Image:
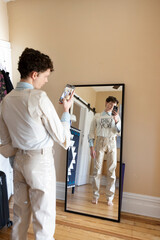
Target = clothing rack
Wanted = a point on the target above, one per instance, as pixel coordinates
(6, 65)
(5, 57)
(5, 83)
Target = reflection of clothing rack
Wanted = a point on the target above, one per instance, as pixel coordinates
(87, 105)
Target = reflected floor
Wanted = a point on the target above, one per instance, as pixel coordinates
(80, 201)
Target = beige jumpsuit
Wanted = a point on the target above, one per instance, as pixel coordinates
(103, 126)
(31, 124)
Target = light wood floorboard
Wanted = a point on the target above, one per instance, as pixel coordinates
(81, 201)
(77, 227)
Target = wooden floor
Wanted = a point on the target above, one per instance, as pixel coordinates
(76, 227)
(81, 201)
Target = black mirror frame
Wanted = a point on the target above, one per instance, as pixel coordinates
(120, 170)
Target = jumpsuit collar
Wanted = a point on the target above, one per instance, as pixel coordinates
(104, 113)
(24, 85)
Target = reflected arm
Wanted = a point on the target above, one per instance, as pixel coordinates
(91, 136)
(118, 126)
(117, 120)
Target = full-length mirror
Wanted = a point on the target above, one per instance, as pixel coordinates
(94, 159)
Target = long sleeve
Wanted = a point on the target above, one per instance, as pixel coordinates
(6, 148)
(118, 126)
(59, 131)
(91, 136)
(4, 134)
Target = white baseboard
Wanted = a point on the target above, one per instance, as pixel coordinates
(60, 190)
(141, 204)
(131, 202)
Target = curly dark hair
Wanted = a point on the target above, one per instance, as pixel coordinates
(33, 60)
(112, 99)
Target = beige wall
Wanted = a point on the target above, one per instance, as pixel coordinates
(4, 28)
(102, 41)
(87, 94)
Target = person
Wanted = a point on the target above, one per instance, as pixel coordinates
(31, 125)
(105, 126)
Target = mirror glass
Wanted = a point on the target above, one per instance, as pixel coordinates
(93, 173)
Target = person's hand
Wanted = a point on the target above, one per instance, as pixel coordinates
(92, 152)
(116, 116)
(68, 103)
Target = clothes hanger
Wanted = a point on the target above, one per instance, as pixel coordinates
(3, 66)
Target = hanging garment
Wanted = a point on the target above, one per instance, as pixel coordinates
(7, 80)
(3, 90)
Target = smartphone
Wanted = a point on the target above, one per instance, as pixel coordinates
(67, 93)
(115, 109)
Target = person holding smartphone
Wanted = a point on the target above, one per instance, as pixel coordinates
(31, 125)
(105, 126)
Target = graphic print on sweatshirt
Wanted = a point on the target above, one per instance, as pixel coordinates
(106, 122)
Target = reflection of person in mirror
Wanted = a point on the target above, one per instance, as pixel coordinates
(30, 122)
(105, 126)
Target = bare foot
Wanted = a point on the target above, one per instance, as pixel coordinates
(94, 201)
(110, 203)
